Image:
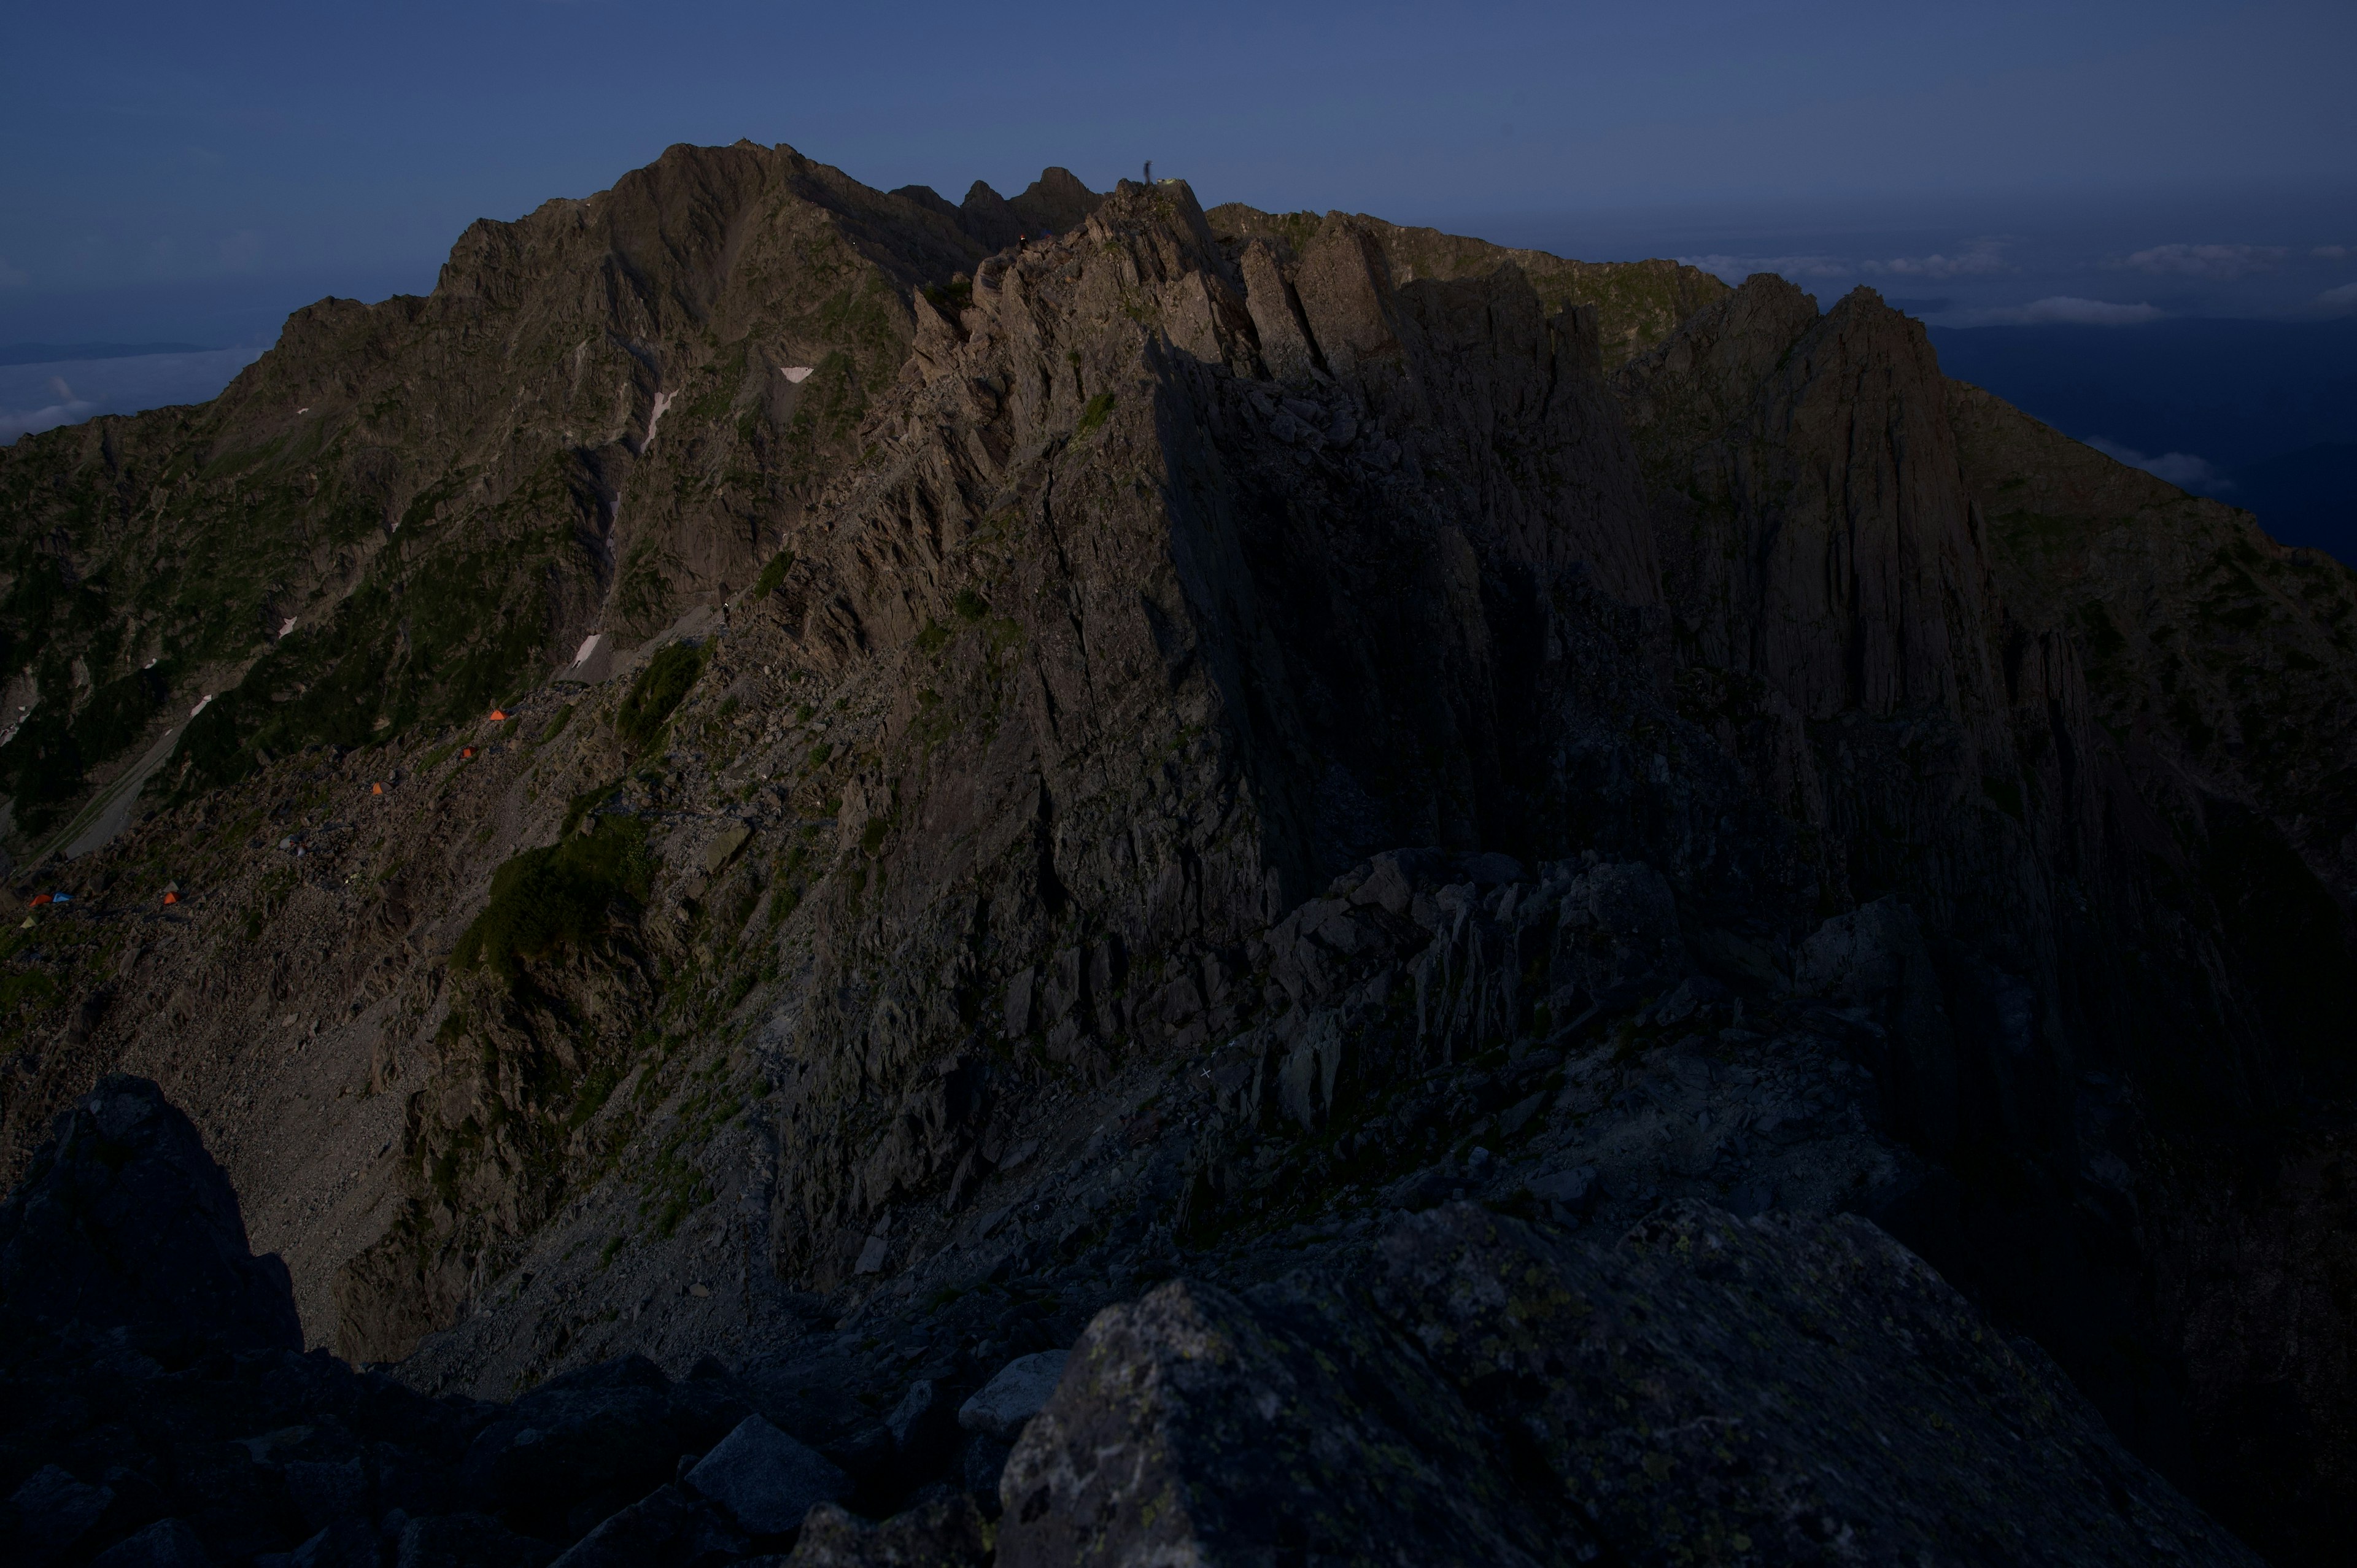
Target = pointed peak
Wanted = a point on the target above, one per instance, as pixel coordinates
(1057, 200)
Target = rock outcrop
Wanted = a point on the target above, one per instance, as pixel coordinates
(121, 1220)
(1460, 1387)
(1706, 1389)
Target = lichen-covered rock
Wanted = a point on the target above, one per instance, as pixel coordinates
(945, 1531)
(1196, 1426)
(1706, 1389)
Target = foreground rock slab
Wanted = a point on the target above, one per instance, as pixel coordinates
(1482, 1390)
(1458, 1386)
(766, 1480)
(122, 1210)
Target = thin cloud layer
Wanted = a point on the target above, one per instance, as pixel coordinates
(2339, 301)
(2184, 469)
(35, 398)
(2219, 263)
(2069, 310)
(64, 409)
(1981, 258)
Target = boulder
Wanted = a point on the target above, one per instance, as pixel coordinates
(922, 1423)
(1014, 1396)
(347, 1543)
(1201, 1426)
(666, 1529)
(50, 1512)
(946, 1532)
(167, 1543)
(1492, 870)
(467, 1541)
(592, 1440)
(765, 1480)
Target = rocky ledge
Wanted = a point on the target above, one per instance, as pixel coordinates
(1459, 1386)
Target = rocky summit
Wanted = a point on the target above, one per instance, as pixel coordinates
(1059, 879)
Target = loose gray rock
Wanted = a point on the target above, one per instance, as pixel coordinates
(51, 1511)
(1013, 1397)
(766, 1480)
(666, 1529)
(1575, 1191)
(1492, 870)
(922, 1424)
(167, 1543)
(468, 1541)
(347, 1543)
(945, 1532)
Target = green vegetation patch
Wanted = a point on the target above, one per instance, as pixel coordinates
(31, 988)
(547, 898)
(774, 574)
(1094, 415)
(951, 297)
(659, 688)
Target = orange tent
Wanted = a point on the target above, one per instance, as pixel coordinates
(497, 717)
(171, 897)
(466, 751)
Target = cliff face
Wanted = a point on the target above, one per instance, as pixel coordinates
(991, 872)
(2045, 698)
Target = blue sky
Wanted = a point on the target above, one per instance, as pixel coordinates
(192, 170)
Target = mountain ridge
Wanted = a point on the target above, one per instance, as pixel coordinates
(1083, 636)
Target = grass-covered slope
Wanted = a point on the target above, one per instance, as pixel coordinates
(407, 512)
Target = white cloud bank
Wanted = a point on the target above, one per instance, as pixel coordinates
(1980, 259)
(63, 408)
(2219, 263)
(34, 398)
(2337, 300)
(2067, 310)
(2184, 469)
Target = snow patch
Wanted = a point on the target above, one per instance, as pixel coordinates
(286, 626)
(588, 646)
(200, 704)
(654, 417)
(797, 374)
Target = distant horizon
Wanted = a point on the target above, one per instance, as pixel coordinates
(1977, 260)
(278, 151)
